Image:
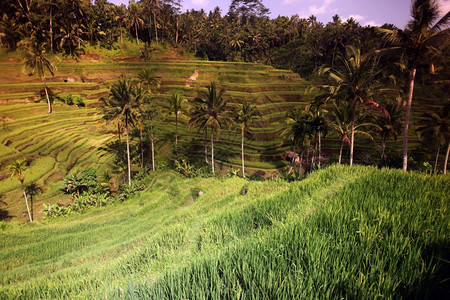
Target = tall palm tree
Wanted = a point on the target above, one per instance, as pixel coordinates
(210, 111)
(147, 77)
(438, 125)
(419, 42)
(245, 117)
(340, 121)
(123, 104)
(318, 125)
(175, 106)
(298, 131)
(355, 83)
(35, 61)
(16, 168)
(135, 19)
(389, 125)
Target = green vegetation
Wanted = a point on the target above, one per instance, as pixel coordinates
(341, 232)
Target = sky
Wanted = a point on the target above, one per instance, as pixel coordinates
(365, 12)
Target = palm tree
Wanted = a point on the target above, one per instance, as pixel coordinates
(147, 77)
(135, 19)
(318, 125)
(35, 62)
(32, 190)
(123, 104)
(438, 125)
(16, 168)
(340, 120)
(419, 42)
(355, 83)
(150, 115)
(210, 111)
(389, 125)
(299, 131)
(175, 107)
(245, 117)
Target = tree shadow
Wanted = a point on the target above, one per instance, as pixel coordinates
(32, 190)
(4, 214)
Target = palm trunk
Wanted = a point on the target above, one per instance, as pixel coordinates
(153, 151)
(300, 168)
(206, 146)
(412, 76)
(51, 26)
(242, 155)
(142, 148)
(121, 39)
(128, 151)
(352, 140)
(48, 98)
(340, 152)
(292, 161)
(176, 33)
(156, 28)
(313, 161)
(446, 158)
(383, 148)
(176, 129)
(212, 150)
(320, 148)
(26, 201)
(437, 158)
(136, 30)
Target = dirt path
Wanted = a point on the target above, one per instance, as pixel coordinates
(192, 78)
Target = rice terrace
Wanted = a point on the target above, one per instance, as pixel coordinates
(157, 149)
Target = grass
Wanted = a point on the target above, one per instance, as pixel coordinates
(343, 232)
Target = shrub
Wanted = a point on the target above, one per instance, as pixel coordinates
(80, 102)
(69, 99)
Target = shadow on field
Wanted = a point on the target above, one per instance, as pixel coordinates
(4, 216)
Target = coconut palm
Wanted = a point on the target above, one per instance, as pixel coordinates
(16, 168)
(299, 132)
(340, 121)
(35, 61)
(175, 106)
(355, 83)
(419, 42)
(147, 77)
(245, 117)
(210, 111)
(319, 128)
(123, 104)
(150, 116)
(438, 125)
(135, 19)
(390, 125)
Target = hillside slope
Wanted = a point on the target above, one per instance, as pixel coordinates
(71, 138)
(342, 232)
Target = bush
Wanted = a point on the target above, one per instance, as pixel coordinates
(69, 99)
(84, 181)
(80, 102)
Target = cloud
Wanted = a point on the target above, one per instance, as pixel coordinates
(318, 10)
(372, 23)
(358, 18)
(199, 2)
(290, 1)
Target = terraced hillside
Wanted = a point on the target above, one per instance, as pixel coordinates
(71, 139)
